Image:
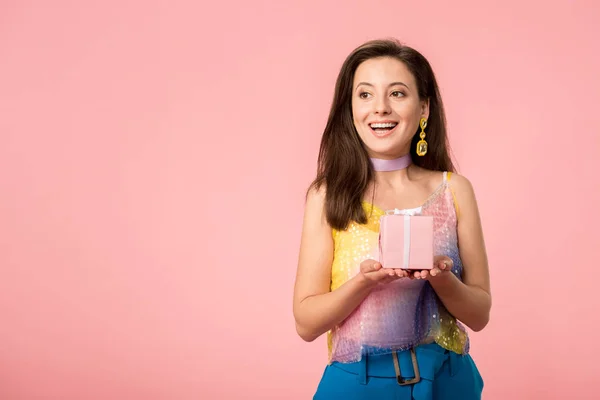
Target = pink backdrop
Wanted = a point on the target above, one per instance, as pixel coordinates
(153, 162)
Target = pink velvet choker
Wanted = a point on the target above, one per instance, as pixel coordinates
(380, 164)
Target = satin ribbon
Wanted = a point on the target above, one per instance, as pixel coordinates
(406, 240)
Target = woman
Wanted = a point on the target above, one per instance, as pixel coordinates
(392, 333)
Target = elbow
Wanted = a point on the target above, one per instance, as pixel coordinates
(305, 334)
(482, 318)
(480, 323)
(304, 328)
(308, 338)
(479, 326)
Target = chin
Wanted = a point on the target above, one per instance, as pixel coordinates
(386, 150)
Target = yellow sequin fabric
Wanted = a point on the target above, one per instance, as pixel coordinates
(404, 313)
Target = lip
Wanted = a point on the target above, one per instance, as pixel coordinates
(385, 121)
(381, 135)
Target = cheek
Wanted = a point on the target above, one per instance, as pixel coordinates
(409, 115)
(359, 111)
(405, 109)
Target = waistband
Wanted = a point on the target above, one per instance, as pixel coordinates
(416, 367)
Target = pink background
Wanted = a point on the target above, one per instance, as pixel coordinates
(153, 162)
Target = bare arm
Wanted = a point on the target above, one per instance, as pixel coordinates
(316, 308)
(469, 301)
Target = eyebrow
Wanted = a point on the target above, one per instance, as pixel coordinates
(391, 84)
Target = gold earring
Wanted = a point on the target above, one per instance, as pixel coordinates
(422, 144)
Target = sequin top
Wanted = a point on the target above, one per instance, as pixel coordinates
(404, 313)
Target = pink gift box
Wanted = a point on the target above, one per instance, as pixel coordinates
(406, 241)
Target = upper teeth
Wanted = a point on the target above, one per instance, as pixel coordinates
(384, 125)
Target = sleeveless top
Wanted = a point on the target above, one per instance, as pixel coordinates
(404, 313)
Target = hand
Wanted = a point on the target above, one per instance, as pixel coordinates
(441, 265)
(373, 273)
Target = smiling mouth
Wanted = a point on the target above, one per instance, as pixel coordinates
(383, 128)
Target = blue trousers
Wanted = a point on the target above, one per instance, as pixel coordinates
(428, 372)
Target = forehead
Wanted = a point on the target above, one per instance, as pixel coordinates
(380, 71)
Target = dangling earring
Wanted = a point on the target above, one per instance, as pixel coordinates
(422, 144)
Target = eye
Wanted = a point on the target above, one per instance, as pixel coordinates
(363, 95)
(397, 93)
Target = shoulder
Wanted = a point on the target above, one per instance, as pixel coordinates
(315, 196)
(317, 239)
(314, 207)
(464, 194)
(460, 184)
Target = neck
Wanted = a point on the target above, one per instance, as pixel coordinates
(395, 164)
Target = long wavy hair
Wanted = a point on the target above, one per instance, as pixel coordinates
(343, 162)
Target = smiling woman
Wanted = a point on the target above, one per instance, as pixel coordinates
(392, 333)
(397, 105)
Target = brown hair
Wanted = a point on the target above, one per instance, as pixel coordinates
(343, 163)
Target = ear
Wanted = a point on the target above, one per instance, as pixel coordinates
(425, 109)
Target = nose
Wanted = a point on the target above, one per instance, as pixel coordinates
(382, 105)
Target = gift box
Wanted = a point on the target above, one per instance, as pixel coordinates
(406, 241)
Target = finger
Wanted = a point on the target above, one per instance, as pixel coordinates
(400, 273)
(448, 263)
(438, 260)
(384, 273)
(389, 278)
(435, 272)
(379, 276)
(424, 274)
(368, 268)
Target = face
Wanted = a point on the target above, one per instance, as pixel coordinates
(386, 107)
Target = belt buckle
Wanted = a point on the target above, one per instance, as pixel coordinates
(402, 381)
